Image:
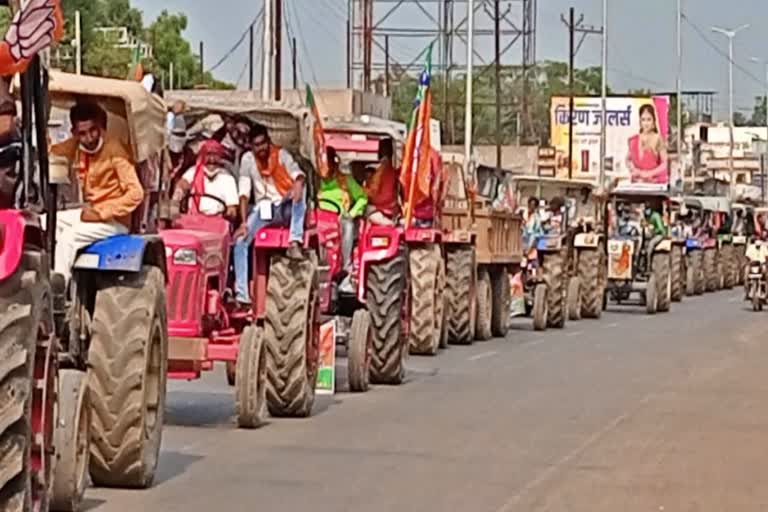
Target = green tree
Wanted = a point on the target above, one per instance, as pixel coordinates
(758, 112)
(104, 59)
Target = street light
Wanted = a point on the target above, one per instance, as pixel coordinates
(765, 157)
(730, 34)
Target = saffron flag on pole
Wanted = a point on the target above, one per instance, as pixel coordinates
(415, 175)
(318, 136)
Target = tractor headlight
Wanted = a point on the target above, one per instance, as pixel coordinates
(185, 257)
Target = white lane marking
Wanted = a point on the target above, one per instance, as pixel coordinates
(611, 325)
(575, 333)
(482, 356)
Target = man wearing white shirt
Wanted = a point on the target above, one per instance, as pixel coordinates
(214, 189)
(276, 181)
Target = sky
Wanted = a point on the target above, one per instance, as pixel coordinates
(641, 37)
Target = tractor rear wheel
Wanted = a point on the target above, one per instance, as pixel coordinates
(359, 352)
(460, 294)
(426, 300)
(663, 284)
(484, 306)
(387, 301)
(729, 267)
(72, 442)
(540, 305)
(556, 293)
(677, 275)
(26, 397)
(500, 303)
(591, 288)
(710, 270)
(251, 384)
(127, 376)
(292, 336)
(700, 279)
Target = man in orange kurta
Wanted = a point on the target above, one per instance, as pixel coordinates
(110, 185)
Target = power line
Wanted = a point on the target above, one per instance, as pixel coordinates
(238, 43)
(303, 41)
(721, 52)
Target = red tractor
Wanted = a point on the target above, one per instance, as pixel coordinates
(402, 273)
(272, 350)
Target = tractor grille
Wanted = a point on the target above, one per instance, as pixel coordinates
(183, 296)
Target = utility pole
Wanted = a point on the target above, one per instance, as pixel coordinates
(250, 57)
(603, 96)
(468, 108)
(172, 84)
(497, 53)
(78, 45)
(386, 65)
(278, 24)
(294, 64)
(679, 93)
(202, 60)
(730, 34)
(266, 61)
(575, 27)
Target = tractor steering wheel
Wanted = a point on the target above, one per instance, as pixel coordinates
(336, 207)
(193, 194)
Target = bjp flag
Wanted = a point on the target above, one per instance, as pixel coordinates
(318, 136)
(416, 175)
(33, 29)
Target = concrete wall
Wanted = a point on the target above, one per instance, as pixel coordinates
(519, 159)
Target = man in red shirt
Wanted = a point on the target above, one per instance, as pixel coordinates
(381, 187)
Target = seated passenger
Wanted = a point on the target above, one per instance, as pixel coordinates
(111, 187)
(350, 200)
(209, 177)
(381, 187)
(276, 181)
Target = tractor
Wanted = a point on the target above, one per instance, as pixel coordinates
(401, 267)
(638, 260)
(677, 255)
(482, 239)
(741, 237)
(719, 266)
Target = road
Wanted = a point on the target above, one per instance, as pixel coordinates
(629, 413)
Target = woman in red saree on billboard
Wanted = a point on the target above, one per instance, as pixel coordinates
(647, 159)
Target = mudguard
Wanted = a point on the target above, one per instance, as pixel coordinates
(692, 244)
(586, 240)
(549, 243)
(122, 253)
(12, 225)
(664, 246)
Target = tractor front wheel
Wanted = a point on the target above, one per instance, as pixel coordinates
(251, 383)
(72, 442)
(540, 307)
(484, 306)
(359, 352)
(460, 294)
(292, 336)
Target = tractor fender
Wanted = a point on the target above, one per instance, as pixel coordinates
(586, 241)
(123, 253)
(664, 246)
(17, 230)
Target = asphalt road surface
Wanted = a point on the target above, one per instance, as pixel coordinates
(628, 413)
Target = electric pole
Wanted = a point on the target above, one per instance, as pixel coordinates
(575, 27)
(469, 78)
(250, 57)
(278, 20)
(497, 53)
(266, 61)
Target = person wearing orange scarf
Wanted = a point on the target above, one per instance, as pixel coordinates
(271, 175)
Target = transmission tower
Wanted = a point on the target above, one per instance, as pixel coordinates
(389, 38)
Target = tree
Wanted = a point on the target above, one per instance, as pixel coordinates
(103, 58)
(739, 119)
(758, 112)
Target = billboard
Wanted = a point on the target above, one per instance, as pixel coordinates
(636, 139)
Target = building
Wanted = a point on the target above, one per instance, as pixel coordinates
(711, 152)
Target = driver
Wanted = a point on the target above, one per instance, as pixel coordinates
(658, 229)
(209, 178)
(111, 189)
(349, 199)
(276, 181)
(381, 187)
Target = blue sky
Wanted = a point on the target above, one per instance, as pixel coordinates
(641, 36)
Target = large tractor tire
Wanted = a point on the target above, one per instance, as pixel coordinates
(483, 323)
(72, 442)
(292, 336)
(251, 382)
(651, 295)
(359, 352)
(574, 298)
(500, 303)
(387, 301)
(540, 305)
(427, 301)
(661, 271)
(711, 276)
(591, 287)
(127, 376)
(677, 275)
(696, 271)
(554, 273)
(26, 397)
(460, 294)
(729, 267)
